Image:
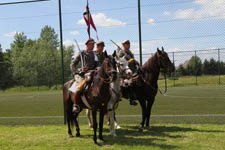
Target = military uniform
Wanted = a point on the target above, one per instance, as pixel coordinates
(133, 65)
(89, 61)
(81, 76)
(99, 55)
(127, 54)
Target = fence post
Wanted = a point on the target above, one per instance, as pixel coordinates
(20, 77)
(37, 75)
(196, 78)
(174, 74)
(219, 64)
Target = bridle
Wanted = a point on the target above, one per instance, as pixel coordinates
(161, 62)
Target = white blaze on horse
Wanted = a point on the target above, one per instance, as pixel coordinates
(123, 73)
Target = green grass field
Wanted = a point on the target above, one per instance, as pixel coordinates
(185, 118)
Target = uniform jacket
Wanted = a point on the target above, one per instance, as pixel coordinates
(88, 61)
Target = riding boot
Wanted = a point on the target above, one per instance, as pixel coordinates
(76, 101)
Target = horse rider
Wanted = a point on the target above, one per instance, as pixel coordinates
(89, 63)
(133, 65)
(99, 52)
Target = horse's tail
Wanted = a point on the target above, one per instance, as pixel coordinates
(68, 103)
(70, 113)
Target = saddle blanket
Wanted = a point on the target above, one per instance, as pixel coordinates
(76, 84)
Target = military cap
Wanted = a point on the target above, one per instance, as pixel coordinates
(90, 41)
(100, 43)
(126, 42)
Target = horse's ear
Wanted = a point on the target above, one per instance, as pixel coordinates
(162, 49)
(114, 54)
(158, 50)
(105, 54)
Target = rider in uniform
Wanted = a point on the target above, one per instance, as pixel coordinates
(89, 63)
(99, 52)
(133, 65)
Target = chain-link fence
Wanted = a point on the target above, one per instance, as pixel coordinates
(34, 76)
(199, 67)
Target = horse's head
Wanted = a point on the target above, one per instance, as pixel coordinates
(164, 61)
(109, 66)
(122, 67)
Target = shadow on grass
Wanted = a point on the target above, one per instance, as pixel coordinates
(130, 136)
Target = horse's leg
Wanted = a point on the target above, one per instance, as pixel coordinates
(77, 124)
(115, 121)
(69, 120)
(111, 118)
(149, 108)
(94, 125)
(101, 121)
(88, 112)
(143, 107)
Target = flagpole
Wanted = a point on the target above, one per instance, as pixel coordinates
(139, 25)
(62, 57)
(88, 20)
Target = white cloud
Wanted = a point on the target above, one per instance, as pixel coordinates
(208, 8)
(151, 21)
(74, 33)
(100, 19)
(166, 13)
(68, 43)
(72, 43)
(10, 34)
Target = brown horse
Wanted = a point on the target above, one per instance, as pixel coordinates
(146, 85)
(97, 97)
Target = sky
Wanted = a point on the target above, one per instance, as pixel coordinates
(177, 25)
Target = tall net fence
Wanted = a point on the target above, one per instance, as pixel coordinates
(199, 67)
(191, 31)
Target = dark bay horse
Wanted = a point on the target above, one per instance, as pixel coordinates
(97, 96)
(146, 85)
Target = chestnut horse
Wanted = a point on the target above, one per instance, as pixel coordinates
(97, 97)
(146, 85)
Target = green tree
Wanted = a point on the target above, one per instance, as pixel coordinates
(16, 49)
(205, 67)
(195, 66)
(5, 70)
(49, 35)
(213, 67)
(182, 70)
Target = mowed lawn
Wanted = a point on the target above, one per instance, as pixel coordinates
(161, 137)
(185, 118)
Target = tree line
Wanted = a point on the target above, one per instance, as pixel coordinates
(195, 66)
(34, 62)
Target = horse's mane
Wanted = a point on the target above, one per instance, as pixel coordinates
(151, 64)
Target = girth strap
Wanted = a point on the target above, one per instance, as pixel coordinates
(84, 100)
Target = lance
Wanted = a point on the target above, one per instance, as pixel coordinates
(81, 57)
(119, 48)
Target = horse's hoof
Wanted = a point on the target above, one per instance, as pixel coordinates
(70, 136)
(95, 141)
(78, 135)
(141, 128)
(148, 127)
(91, 129)
(101, 138)
(118, 127)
